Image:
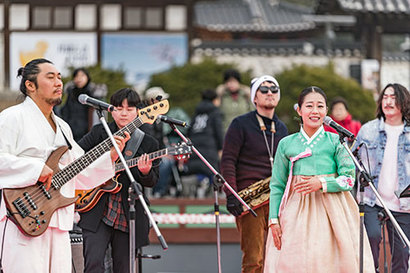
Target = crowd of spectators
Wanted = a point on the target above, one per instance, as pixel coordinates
(184, 177)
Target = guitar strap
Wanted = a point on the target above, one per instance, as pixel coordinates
(133, 144)
(66, 139)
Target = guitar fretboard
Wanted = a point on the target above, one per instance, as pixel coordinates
(134, 161)
(75, 167)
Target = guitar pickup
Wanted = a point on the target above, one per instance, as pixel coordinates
(21, 208)
(45, 192)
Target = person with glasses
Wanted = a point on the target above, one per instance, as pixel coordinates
(247, 157)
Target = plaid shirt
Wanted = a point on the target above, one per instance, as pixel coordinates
(114, 215)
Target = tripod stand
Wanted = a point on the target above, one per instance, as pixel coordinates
(366, 181)
(134, 194)
(218, 182)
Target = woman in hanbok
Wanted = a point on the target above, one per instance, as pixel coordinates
(313, 218)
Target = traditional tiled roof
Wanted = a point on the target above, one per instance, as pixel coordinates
(376, 6)
(373, 6)
(272, 47)
(396, 56)
(251, 15)
(290, 48)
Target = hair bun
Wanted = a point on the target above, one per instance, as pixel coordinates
(20, 71)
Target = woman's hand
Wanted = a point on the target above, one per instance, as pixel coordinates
(308, 184)
(121, 144)
(277, 235)
(144, 164)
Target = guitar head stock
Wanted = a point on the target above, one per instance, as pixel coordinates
(180, 151)
(150, 113)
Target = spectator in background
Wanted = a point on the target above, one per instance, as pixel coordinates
(80, 117)
(339, 113)
(206, 134)
(235, 97)
(151, 96)
(166, 137)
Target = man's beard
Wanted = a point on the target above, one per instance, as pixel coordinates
(269, 106)
(54, 102)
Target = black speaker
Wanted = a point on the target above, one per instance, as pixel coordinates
(77, 254)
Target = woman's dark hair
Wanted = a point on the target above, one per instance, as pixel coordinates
(337, 100)
(29, 73)
(402, 101)
(309, 90)
(82, 69)
(209, 94)
(125, 93)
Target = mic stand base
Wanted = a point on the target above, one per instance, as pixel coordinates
(365, 181)
(220, 181)
(135, 188)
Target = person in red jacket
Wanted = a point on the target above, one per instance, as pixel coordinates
(340, 114)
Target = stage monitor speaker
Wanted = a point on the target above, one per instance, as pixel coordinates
(77, 253)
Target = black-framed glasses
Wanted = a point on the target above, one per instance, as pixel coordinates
(264, 89)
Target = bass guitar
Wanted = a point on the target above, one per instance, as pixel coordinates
(32, 207)
(87, 199)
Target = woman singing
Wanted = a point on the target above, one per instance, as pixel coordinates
(313, 218)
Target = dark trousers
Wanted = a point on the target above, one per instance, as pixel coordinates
(95, 245)
(400, 254)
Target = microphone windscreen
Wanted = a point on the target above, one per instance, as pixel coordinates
(327, 120)
(83, 98)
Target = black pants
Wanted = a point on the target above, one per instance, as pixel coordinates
(95, 245)
(400, 254)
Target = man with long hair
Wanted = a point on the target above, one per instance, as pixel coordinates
(387, 139)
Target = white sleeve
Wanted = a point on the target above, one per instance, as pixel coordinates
(16, 171)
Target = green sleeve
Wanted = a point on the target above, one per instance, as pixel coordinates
(345, 172)
(278, 180)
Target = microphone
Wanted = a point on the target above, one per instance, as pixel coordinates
(340, 130)
(85, 99)
(356, 151)
(172, 121)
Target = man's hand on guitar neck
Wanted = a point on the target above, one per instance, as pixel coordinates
(45, 176)
(144, 164)
(121, 144)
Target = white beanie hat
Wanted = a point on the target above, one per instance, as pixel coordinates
(256, 83)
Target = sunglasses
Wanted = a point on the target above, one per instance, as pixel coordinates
(265, 89)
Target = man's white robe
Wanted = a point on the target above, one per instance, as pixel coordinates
(26, 142)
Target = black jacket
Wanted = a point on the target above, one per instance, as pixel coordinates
(77, 115)
(206, 134)
(92, 218)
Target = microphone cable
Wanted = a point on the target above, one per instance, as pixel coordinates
(2, 244)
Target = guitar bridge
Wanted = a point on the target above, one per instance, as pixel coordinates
(21, 208)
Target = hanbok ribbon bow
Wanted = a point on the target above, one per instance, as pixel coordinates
(284, 200)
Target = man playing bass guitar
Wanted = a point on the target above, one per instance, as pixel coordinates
(29, 135)
(107, 222)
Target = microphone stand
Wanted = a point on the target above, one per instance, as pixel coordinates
(218, 182)
(134, 193)
(366, 180)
